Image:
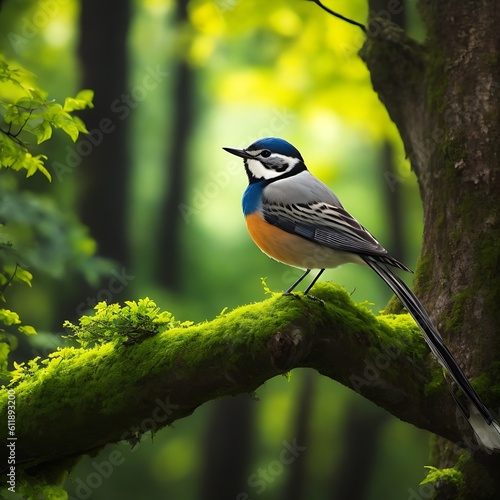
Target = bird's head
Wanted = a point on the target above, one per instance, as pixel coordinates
(270, 159)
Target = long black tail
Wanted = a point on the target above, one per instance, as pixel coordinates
(488, 434)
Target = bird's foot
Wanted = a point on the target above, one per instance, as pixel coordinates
(312, 297)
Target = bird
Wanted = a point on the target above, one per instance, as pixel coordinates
(297, 220)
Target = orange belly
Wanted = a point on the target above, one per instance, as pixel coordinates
(292, 249)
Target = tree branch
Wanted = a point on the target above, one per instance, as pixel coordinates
(339, 16)
(84, 399)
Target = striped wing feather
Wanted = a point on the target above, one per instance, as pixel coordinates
(328, 225)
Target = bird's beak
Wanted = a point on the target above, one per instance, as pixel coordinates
(238, 152)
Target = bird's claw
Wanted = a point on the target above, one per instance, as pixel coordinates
(297, 296)
(312, 297)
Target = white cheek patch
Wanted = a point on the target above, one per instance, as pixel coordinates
(259, 171)
(279, 165)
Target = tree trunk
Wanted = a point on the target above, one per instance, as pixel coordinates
(296, 482)
(444, 96)
(227, 449)
(104, 168)
(169, 265)
(360, 450)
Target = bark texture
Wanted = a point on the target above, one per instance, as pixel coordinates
(444, 96)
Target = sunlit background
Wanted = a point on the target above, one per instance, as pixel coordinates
(174, 82)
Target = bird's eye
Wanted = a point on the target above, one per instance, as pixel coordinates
(266, 153)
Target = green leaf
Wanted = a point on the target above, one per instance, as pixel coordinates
(27, 330)
(42, 132)
(9, 317)
(55, 493)
(24, 276)
(80, 125)
(127, 325)
(82, 100)
(45, 172)
(34, 164)
(25, 108)
(71, 129)
(4, 355)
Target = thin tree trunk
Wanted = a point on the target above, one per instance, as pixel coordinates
(170, 236)
(361, 434)
(104, 167)
(227, 449)
(296, 480)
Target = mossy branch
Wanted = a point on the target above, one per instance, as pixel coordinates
(83, 399)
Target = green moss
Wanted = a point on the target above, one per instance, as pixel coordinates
(456, 318)
(101, 381)
(491, 59)
(436, 82)
(423, 274)
(450, 475)
(409, 339)
(479, 482)
(487, 385)
(105, 367)
(437, 384)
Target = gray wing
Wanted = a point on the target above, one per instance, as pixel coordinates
(328, 225)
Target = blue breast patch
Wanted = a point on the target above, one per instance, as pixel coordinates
(252, 198)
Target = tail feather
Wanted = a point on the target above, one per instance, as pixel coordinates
(480, 418)
(487, 433)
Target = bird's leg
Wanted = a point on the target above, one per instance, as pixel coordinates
(313, 281)
(290, 290)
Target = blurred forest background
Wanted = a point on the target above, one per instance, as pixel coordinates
(174, 82)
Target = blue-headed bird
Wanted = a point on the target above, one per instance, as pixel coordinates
(297, 220)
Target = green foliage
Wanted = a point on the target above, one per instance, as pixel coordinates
(129, 324)
(45, 491)
(25, 369)
(10, 318)
(25, 110)
(44, 238)
(34, 234)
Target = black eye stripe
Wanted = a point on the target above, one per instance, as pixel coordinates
(281, 168)
(276, 168)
